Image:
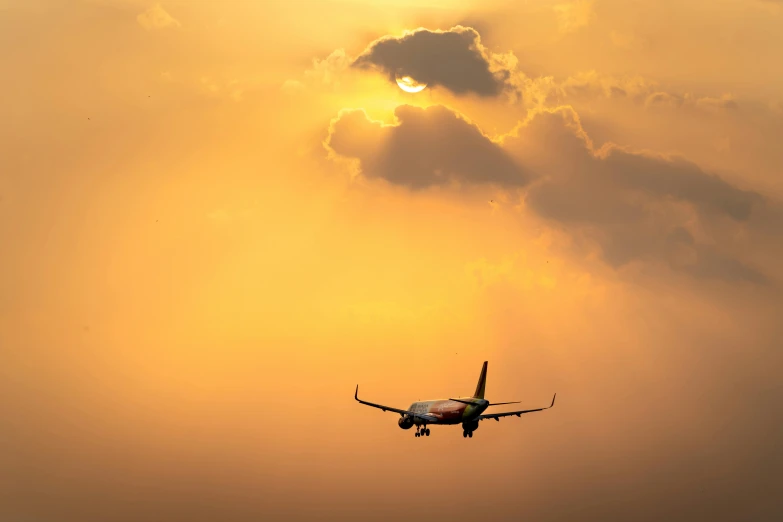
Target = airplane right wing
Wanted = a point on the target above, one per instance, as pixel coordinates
(423, 416)
(497, 416)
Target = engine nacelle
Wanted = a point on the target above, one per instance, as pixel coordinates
(470, 426)
(405, 423)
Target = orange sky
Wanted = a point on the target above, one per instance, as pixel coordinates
(217, 218)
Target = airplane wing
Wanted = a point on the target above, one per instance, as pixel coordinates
(423, 416)
(497, 416)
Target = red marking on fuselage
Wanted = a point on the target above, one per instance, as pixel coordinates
(446, 411)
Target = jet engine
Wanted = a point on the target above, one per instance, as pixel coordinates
(405, 423)
(470, 426)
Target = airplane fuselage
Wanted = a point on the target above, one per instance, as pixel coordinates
(447, 411)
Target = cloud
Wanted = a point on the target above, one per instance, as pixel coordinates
(425, 147)
(631, 205)
(213, 87)
(706, 262)
(667, 99)
(457, 61)
(676, 178)
(208, 86)
(574, 15)
(634, 205)
(157, 18)
(546, 91)
(454, 59)
(593, 84)
(327, 72)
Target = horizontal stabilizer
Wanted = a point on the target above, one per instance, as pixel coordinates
(497, 416)
(463, 401)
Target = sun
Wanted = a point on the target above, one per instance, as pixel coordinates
(408, 84)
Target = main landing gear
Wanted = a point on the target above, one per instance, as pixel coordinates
(467, 434)
(421, 432)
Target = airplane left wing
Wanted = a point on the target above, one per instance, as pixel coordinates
(423, 416)
(497, 416)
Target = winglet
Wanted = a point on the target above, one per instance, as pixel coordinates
(356, 395)
(553, 397)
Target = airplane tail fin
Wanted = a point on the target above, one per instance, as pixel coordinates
(482, 383)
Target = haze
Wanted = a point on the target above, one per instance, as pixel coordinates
(218, 218)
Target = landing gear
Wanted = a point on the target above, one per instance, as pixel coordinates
(422, 432)
(467, 434)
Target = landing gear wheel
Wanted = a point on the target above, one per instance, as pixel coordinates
(417, 434)
(465, 434)
(427, 432)
(470, 434)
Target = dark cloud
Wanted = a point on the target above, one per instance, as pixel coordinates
(426, 147)
(635, 206)
(554, 143)
(453, 59)
(677, 178)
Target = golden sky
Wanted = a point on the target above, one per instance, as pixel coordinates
(218, 217)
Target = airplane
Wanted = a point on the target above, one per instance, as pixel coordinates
(467, 411)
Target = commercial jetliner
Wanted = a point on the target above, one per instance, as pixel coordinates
(467, 411)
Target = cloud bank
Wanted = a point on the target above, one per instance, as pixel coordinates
(634, 206)
(457, 61)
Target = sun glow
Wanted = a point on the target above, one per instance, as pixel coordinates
(408, 84)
